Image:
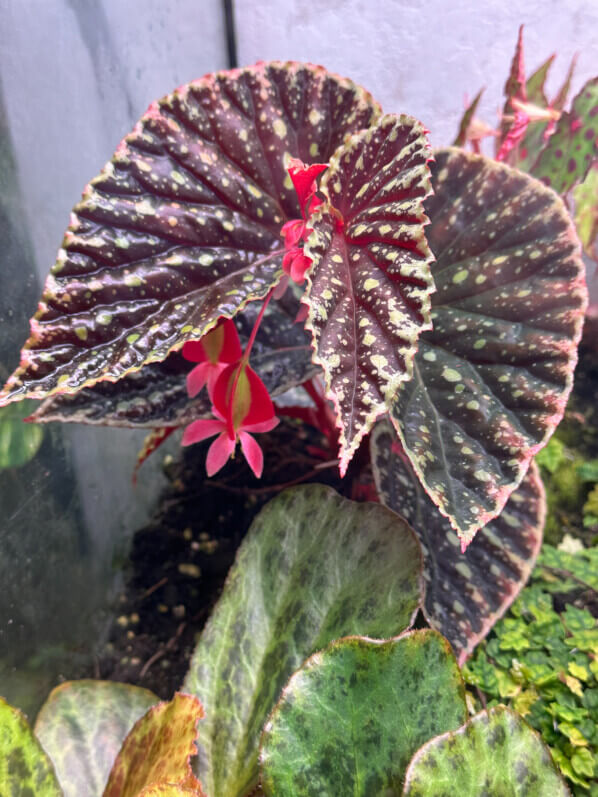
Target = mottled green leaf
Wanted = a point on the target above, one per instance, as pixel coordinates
(581, 567)
(466, 120)
(466, 593)
(586, 210)
(369, 287)
(156, 396)
(536, 82)
(533, 141)
(313, 567)
(573, 147)
(173, 232)
(19, 442)
(492, 378)
(158, 749)
(82, 726)
(495, 753)
(25, 769)
(350, 719)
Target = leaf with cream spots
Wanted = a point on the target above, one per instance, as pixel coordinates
(466, 593)
(182, 226)
(507, 313)
(156, 396)
(370, 283)
(573, 147)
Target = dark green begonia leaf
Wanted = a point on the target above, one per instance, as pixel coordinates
(495, 753)
(19, 442)
(181, 226)
(466, 593)
(25, 769)
(573, 146)
(82, 726)
(313, 567)
(350, 719)
(369, 286)
(492, 378)
(156, 396)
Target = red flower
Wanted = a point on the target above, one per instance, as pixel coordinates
(242, 405)
(213, 352)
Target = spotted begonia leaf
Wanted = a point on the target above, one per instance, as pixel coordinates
(586, 211)
(369, 286)
(82, 726)
(350, 719)
(173, 232)
(158, 749)
(534, 139)
(156, 396)
(25, 769)
(494, 753)
(313, 567)
(492, 378)
(466, 593)
(573, 146)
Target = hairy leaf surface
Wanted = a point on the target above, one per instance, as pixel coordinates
(370, 283)
(350, 719)
(173, 232)
(492, 378)
(573, 146)
(313, 567)
(496, 752)
(24, 766)
(158, 749)
(157, 395)
(82, 726)
(466, 593)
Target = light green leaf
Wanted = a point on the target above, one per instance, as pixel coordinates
(351, 718)
(19, 441)
(313, 567)
(82, 726)
(25, 769)
(495, 753)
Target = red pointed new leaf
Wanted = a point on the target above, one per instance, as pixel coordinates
(370, 284)
(466, 593)
(515, 87)
(158, 749)
(180, 226)
(492, 378)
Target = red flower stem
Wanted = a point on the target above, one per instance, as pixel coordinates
(326, 421)
(242, 363)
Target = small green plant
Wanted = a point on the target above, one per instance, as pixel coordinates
(542, 660)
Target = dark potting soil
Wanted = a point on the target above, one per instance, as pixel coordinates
(179, 561)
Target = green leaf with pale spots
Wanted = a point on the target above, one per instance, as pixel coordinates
(586, 211)
(82, 726)
(495, 753)
(25, 769)
(173, 232)
(466, 120)
(491, 380)
(19, 442)
(573, 147)
(313, 567)
(350, 719)
(158, 749)
(156, 396)
(369, 286)
(466, 593)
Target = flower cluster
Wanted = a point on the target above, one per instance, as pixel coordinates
(241, 405)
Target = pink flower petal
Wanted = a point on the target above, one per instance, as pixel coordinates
(262, 426)
(219, 452)
(197, 378)
(252, 453)
(201, 430)
(193, 351)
